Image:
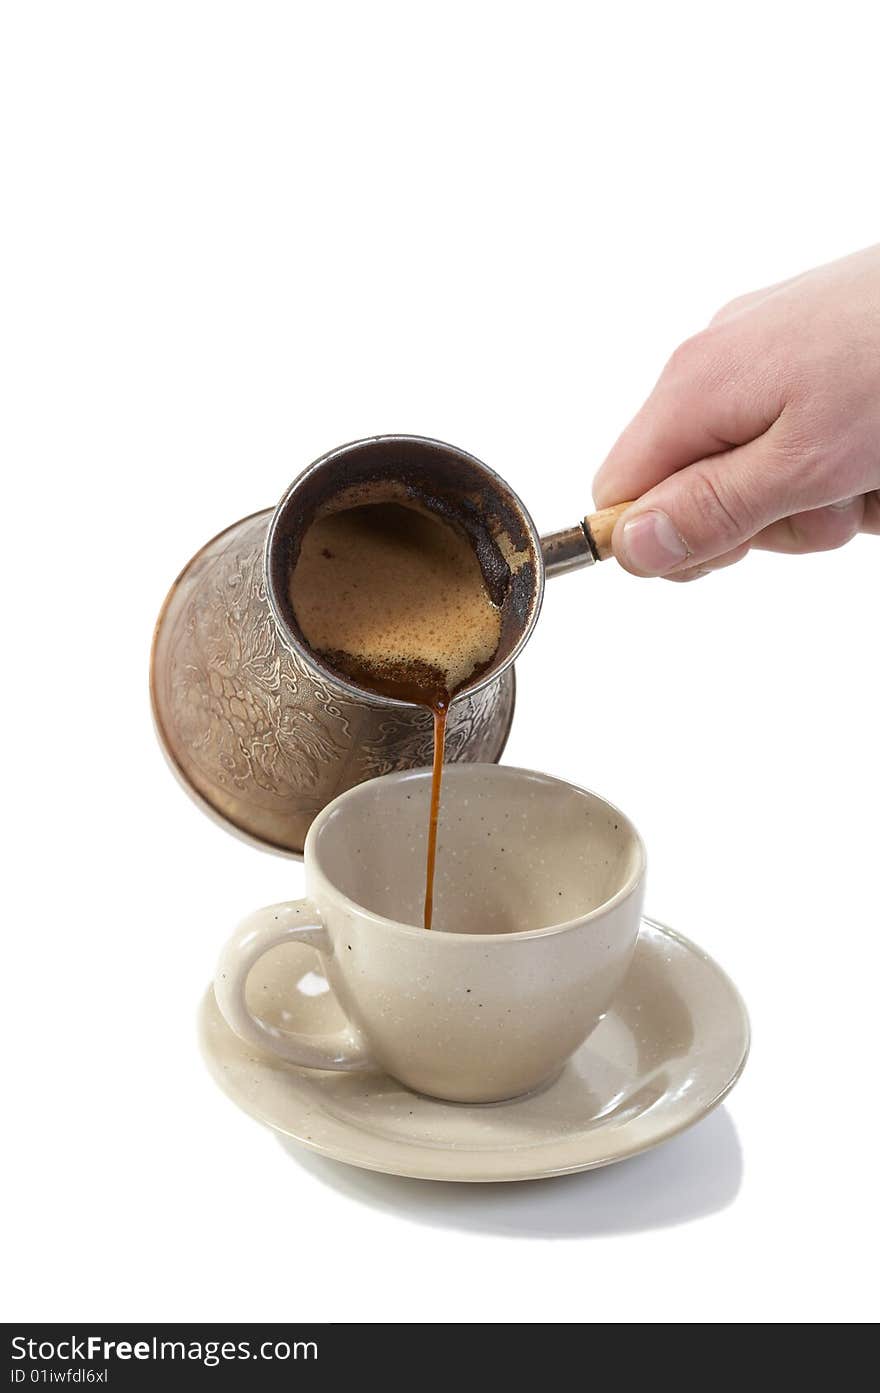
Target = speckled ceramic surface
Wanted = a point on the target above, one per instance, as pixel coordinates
(671, 1047)
(537, 901)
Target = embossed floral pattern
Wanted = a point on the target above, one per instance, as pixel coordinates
(256, 732)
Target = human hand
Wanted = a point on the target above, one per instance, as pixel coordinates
(763, 430)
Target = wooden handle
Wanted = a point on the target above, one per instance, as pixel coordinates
(599, 527)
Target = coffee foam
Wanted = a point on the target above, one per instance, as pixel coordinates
(394, 588)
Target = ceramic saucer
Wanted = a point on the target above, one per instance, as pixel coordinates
(671, 1047)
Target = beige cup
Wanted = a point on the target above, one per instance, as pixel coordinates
(537, 907)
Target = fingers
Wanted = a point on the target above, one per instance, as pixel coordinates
(712, 395)
(820, 529)
(706, 511)
(720, 563)
(871, 515)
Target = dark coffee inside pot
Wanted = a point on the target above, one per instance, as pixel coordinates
(396, 598)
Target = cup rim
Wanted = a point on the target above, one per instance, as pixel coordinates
(630, 886)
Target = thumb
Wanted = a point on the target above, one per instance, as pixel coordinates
(705, 511)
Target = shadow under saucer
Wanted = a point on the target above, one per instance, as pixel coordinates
(693, 1175)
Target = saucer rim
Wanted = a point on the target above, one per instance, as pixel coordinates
(422, 1171)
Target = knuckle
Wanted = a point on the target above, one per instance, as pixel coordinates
(721, 509)
(688, 356)
(804, 455)
(730, 308)
(707, 360)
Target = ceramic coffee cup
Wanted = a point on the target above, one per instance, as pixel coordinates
(537, 905)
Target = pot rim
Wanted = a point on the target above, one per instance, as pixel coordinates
(313, 659)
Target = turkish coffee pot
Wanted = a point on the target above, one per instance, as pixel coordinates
(261, 730)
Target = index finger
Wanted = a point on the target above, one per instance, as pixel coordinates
(711, 396)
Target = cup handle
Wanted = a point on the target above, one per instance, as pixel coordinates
(297, 921)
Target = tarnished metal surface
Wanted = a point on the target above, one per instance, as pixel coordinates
(260, 737)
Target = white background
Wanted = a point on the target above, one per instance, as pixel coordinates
(236, 235)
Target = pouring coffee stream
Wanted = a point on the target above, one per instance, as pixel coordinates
(396, 596)
(261, 729)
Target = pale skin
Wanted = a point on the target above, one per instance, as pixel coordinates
(762, 431)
